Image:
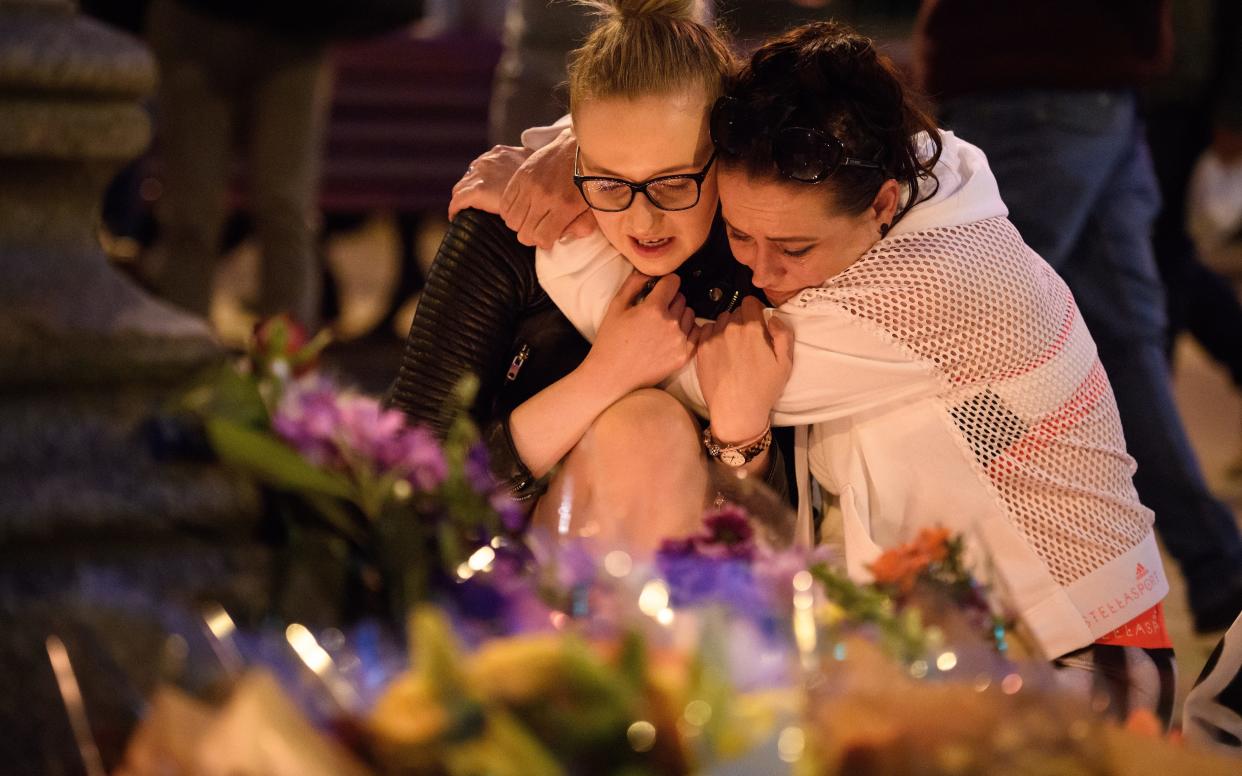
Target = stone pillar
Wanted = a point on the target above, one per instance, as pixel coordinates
(101, 542)
(70, 92)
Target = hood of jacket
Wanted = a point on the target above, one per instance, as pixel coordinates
(964, 190)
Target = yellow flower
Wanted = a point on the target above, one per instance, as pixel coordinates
(408, 714)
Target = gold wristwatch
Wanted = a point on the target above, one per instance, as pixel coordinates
(736, 455)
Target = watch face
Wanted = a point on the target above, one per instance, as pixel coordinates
(732, 458)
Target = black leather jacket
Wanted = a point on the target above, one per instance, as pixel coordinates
(483, 312)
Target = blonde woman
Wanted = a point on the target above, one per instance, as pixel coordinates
(641, 89)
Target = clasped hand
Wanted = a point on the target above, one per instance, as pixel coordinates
(644, 339)
(743, 363)
(742, 360)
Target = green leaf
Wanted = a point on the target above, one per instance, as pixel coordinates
(632, 662)
(225, 393)
(462, 433)
(271, 460)
(435, 652)
(311, 350)
(709, 677)
(338, 517)
(452, 550)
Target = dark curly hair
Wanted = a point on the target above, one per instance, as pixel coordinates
(828, 77)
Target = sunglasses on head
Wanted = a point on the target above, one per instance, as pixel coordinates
(801, 153)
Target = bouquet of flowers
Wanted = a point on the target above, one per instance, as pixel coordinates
(373, 507)
(724, 654)
(724, 647)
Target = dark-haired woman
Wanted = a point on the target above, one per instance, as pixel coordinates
(941, 367)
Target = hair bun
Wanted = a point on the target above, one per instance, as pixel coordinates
(687, 10)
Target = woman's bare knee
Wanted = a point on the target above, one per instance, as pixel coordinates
(647, 420)
(638, 475)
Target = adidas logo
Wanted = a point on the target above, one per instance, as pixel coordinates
(1140, 571)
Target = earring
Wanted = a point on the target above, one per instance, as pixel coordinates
(884, 229)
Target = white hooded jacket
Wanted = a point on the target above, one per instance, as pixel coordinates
(946, 377)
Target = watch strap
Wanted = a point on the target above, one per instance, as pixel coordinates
(739, 454)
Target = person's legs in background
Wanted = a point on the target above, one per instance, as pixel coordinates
(195, 120)
(1074, 171)
(1201, 301)
(288, 114)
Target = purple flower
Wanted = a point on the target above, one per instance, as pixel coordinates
(691, 578)
(512, 516)
(729, 534)
(338, 429)
(308, 418)
(525, 610)
(478, 469)
(421, 457)
(776, 570)
(726, 533)
(679, 547)
(369, 432)
(714, 565)
(696, 579)
(479, 476)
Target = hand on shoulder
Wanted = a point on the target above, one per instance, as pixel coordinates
(484, 183)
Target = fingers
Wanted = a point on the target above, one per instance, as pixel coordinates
(676, 307)
(750, 312)
(702, 332)
(472, 194)
(456, 205)
(665, 290)
(557, 221)
(481, 185)
(539, 200)
(548, 230)
(528, 234)
(782, 340)
(512, 193)
(688, 327)
(515, 216)
(517, 202)
(465, 191)
(582, 226)
(628, 290)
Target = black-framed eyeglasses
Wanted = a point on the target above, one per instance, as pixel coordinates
(667, 192)
(803, 154)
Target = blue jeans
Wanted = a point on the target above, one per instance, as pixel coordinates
(1074, 169)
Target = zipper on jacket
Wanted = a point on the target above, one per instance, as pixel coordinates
(516, 366)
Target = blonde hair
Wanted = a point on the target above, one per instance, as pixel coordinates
(642, 47)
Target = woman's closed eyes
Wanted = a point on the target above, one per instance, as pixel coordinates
(793, 253)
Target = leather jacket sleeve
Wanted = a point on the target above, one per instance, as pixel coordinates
(479, 286)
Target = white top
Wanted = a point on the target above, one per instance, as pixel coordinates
(947, 377)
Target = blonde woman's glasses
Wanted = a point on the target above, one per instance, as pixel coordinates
(667, 192)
